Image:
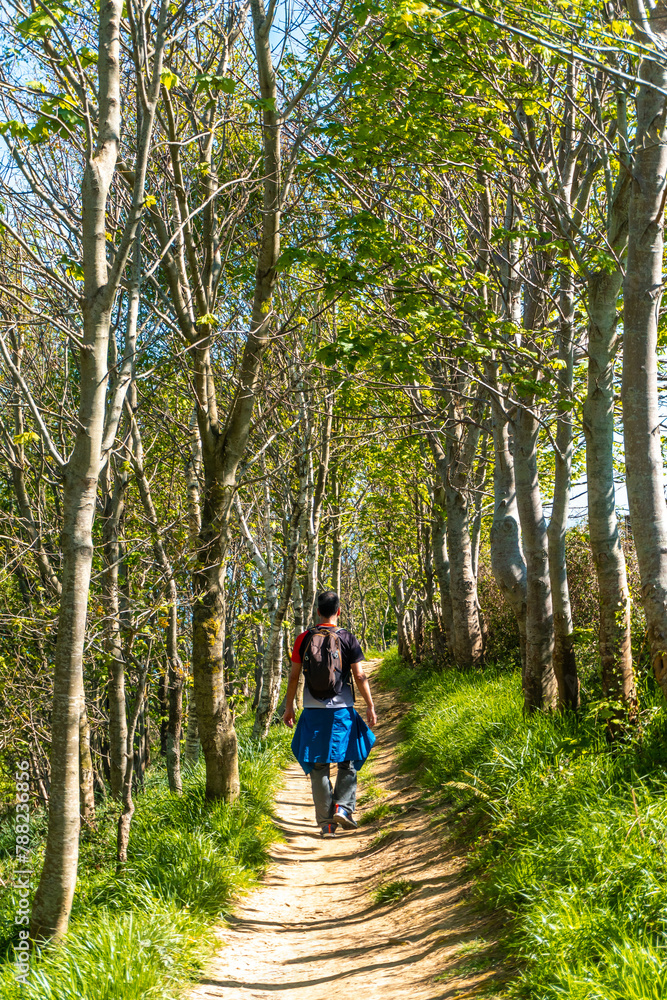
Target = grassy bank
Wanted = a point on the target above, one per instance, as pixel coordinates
(567, 833)
(140, 936)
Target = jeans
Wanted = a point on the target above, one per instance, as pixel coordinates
(327, 798)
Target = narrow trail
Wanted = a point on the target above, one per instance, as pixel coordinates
(312, 929)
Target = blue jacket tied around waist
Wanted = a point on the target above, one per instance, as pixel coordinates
(328, 735)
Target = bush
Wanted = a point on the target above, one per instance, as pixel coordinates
(502, 643)
(572, 841)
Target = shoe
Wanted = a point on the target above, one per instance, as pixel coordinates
(343, 817)
(328, 830)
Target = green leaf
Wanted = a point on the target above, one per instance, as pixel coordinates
(168, 79)
(263, 103)
(41, 22)
(209, 320)
(72, 268)
(86, 56)
(27, 437)
(208, 81)
(17, 130)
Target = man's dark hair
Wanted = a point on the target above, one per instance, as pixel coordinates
(328, 603)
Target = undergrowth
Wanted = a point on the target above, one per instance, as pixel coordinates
(379, 811)
(143, 934)
(568, 832)
(392, 892)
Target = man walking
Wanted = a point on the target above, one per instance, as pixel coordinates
(330, 730)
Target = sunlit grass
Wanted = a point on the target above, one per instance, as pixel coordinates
(392, 891)
(144, 934)
(382, 838)
(377, 812)
(371, 789)
(560, 844)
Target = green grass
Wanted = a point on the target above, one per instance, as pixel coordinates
(472, 957)
(142, 935)
(379, 811)
(556, 840)
(385, 836)
(371, 789)
(392, 892)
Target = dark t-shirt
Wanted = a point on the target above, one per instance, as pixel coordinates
(351, 652)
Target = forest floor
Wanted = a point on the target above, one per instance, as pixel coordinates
(314, 929)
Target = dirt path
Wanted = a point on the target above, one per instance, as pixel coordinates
(312, 930)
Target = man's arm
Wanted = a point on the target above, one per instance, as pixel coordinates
(292, 684)
(365, 689)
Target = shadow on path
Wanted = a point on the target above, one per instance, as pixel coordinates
(313, 922)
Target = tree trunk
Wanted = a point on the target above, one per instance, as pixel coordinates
(192, 734)
(540, 687)
(564, 657)
(271, 672)
(175, 720)
(385, 617)
(193, 470)
(127, 810)
(223, 446)
(313, 512)
(454, 464)
(163, 704)
(507, 559)
(175, 673)
(216, 725)
(86, 772)
(468, 647)
(114, 508)
(441, 566)
(53, 899)
(336, 534)
(336, 558)
(362, 605)
(642, 294)
(539, 681)
(478, 499)
(297, 607)
(618, 682)
(400, 599)
(272, 667)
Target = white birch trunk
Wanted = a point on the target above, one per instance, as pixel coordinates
(564, 658)
(314, 512)
(114, 507)
(642, 294)
(193, 468)
(454, 469)
(86, 772)
(540, 688)
(539, 681)
(441, 567)
(53, 899)
(615, 646)
(507, 559)
(175, 672)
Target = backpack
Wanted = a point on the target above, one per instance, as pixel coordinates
(322, 659)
